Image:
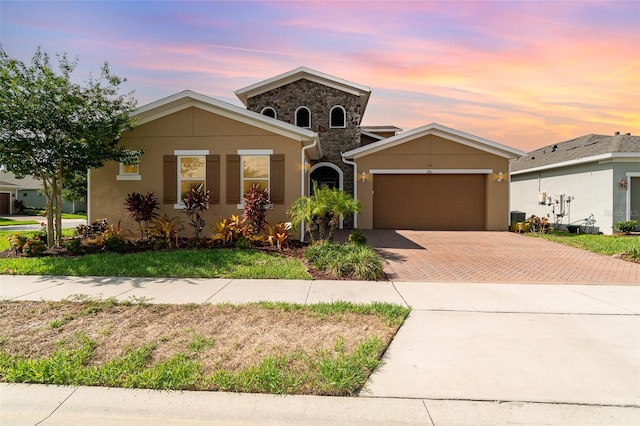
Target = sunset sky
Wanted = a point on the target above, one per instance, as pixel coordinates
(521, 73)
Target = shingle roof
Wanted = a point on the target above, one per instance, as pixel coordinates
(577, 149)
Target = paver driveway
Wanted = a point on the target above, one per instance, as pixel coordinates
(497, 257)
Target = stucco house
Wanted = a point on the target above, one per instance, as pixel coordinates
(299, 127)
(569, 181)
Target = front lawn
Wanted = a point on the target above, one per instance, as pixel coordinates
(628, 245)
(216, 263)
(10, 222)
(263, 347)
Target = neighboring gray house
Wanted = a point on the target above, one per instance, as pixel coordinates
(569, 181)
(27, 190)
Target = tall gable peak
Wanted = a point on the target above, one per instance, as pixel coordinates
(300, 73)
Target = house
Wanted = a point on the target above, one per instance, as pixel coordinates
(569, 181)
(301, 127)
(28, 190)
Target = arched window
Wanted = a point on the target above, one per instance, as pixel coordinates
(269, 112)
(303, 117)
(337, 117)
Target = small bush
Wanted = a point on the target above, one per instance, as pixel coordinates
(73, 246)
(347, 260)
(94, 230)
(34, 247)
(627, 227)
(356, 236)
(243, 243)
(142, 208)
(195, 203)
(255, 207)
(17, 242)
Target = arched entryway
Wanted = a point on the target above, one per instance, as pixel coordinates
(325, 174)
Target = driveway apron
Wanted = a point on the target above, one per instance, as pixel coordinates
(494, 257)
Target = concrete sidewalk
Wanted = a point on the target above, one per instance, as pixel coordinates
(467, 354)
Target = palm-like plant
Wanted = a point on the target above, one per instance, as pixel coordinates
(322, 211)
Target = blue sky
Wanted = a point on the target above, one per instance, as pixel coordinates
(521, 73)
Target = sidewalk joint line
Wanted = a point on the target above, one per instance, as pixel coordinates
(424, 403)
(393, 283)
(216, 292)
(56, 409)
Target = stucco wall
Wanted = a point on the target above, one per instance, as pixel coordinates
(591, 185)
(433, 152)
(189, 129)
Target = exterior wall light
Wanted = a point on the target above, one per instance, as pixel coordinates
(500, 176)
(363, 177)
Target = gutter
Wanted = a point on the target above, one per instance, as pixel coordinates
(355, 184)
(303, 172)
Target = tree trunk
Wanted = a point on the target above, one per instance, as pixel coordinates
(59, 205)
(49, 198)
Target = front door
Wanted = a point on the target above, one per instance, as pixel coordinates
(5, 203)
(634, 187)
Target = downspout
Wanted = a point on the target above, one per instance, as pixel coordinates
(355, 185)
(303, 173)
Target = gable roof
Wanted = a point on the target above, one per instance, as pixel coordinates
(584, 149)
(437, 130)
(8, 179)
(187, 99)
(305, 73)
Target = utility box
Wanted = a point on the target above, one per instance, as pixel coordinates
(517, 216)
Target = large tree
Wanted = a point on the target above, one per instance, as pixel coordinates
(52, 127)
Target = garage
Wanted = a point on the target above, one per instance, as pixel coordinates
(430, 201)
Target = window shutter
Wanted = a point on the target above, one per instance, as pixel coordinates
(170, 179)
(213, 178)
(233, 179)
(276, 191)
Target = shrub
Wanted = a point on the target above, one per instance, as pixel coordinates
(356, 236)
(17, 242)
(255, 207)
(142, 208)
(34, 247)
(278, 235)
(538, 224)
(627, 226)
(195, 203)
(229, 230)
(73, 246)
(346, 260)
(93, 230)
(243, 243)
(165, 229)
(19, 206)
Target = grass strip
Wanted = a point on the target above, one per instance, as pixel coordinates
(341, 369)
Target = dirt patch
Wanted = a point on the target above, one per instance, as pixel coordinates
(239, 336)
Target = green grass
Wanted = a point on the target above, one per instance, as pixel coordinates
(215, 263)
(10, 222)
(73, 216)
(602, 244)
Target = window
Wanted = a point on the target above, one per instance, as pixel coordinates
(129, 171)
(186, 169)
(269, 112)
(337, 117)
(303, 117)
(250, 166)
(191, 174)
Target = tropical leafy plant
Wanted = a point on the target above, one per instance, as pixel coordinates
(322, 211)
(228, 230)
(278, 235)
(142, 208)
(195, 203)
(255, 207)
(166, 229)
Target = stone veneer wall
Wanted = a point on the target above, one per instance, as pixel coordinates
(319, 99)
